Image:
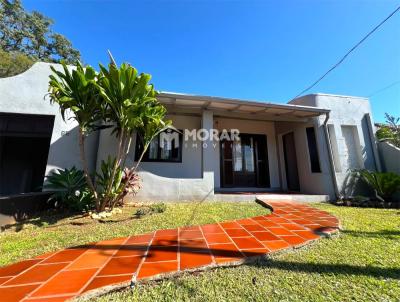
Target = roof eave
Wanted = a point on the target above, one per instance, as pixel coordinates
(260, 104)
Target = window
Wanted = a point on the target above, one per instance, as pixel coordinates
(313, 150)
(165, 147)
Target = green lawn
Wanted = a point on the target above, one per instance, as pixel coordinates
(363, 264)
(53, 232)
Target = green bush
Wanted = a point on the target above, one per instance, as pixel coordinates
(391, 131)
(70, 189)
(384, 184)
(385, 133)
(142, 212)
(110, 185)
(158, 207)
(113, 188)
(151, 209)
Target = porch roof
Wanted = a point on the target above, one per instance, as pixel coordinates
(229, 106)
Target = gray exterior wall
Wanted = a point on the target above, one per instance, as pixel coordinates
(310, 183)
(352, 138)
(196, 178)
(26, 94)
(390, 157)
(167, 180)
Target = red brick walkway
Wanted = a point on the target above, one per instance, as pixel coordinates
(71, 272)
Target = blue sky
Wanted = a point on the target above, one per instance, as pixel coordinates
(259, 50)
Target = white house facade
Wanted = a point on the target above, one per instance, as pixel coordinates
(305, 147)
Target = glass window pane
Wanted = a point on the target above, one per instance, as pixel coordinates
(249, 155)
(237, 156)
(161, 149)
(175, 151)
(313, 150)
(153, 148)
(166, 150)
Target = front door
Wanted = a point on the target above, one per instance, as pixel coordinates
(244, 163)
(289, 152)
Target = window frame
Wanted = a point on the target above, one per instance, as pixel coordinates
(315, 164)
(158, 159)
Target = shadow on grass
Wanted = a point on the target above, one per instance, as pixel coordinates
(387, 234)
(190, 219)
(250, 258)
(44, 219)
(324, 268)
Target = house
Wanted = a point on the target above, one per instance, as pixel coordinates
(306, 146)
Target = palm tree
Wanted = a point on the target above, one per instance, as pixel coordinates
(117, 98)
(76, 91)
(131, 106)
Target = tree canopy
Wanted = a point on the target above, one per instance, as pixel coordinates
(26, 37)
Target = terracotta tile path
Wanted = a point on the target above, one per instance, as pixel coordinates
(85, 269)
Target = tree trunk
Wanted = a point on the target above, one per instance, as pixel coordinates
(128, 147)
(132, 174)
(85, 167)
(115, 167)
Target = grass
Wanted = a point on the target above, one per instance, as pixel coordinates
(362, 264)
(52, 232)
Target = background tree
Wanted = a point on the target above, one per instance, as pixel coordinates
(12, 63)
(27, 37)
(390, 131)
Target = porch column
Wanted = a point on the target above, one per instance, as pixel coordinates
(208, 152)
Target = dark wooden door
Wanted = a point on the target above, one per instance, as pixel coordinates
(289, 150)
(244, 170)
(226, 163)
(261, 157)
(244, 163)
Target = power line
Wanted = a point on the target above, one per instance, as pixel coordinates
(349, 52)
(384, 88)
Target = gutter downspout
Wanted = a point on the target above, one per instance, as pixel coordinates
(331, 162)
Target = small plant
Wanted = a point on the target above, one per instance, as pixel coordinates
(142, 212)
(113, 190)
(158, 207)
(109, 188)
(383, 184)
(151, 209)
(70, 189)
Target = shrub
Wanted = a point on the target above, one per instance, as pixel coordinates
(114, 188)
(383, 184)
(109, 187)
(142, 212)
(391, 131)
(70, 189)
(158, 207)
(154, 208)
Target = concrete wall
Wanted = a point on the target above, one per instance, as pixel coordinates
(26, 94)
(310, 183)
(351, 123)
(167, 180)
(390, 157)
(198, 174)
